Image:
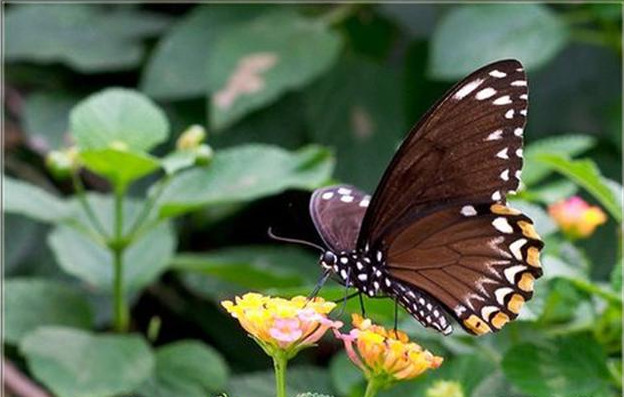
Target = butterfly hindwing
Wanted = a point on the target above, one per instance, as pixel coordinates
(479, 261)
(337, 213)
(467, 148)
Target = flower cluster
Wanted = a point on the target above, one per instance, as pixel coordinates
(576, 218)
(387, 356)
(282, 325)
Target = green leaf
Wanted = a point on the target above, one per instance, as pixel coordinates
(231, 271)
(75, 363)
(187, 47)
(552, 192)
(32, 303)
(346, 378)
(365, 121)
(262, 384)
(33, 202)
(186, 368)
(46, 117)
(313, 395)
(563, 367)
(246, 173)
(471, 36)
(564, 145)
(178, 160)
(144, 260)
(616, 276)
(118, 115)
(85, 37)
(262, 59)
(587, 175)
(120, 167)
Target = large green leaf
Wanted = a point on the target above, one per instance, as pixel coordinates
(186, 368)
(262, 384)
(246, 173)
(565, 145)
(120, 167)
(357, 110)
(260, 60)
(178, 66)
(471, 36)
(74, 363)
(32, 303)
(587, 175)
(144, 260)
(46, 119)
(86, 37)
(563, 367)
(33, 202)
(118, 115)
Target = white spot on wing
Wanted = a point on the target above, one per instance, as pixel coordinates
(515, 248)
(362, 277)
(498, 74)
(519, 83)
(496, 196)
(524, 96)
(503, 154)
(327, 195)
(505, 175)
(346, 199)
(511, 272)
(344, 190)
(518, 174)
(518, 131)
(364, 203)
(519, 152)
(523, 112)
(467, 89)
(487, 311)
(509, 114)
(501, 293)
(504, 100)
(502, 225)
(485, 93)
(498, 134)
(468, 210)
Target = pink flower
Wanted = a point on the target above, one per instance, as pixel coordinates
(576, 218)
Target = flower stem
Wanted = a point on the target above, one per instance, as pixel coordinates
(372, 388)
(279, 363)
(121, 311)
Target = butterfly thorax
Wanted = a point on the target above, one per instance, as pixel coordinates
(359, 269)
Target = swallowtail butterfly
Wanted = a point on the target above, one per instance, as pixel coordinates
(437, 236)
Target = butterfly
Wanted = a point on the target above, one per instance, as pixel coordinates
(437, 235)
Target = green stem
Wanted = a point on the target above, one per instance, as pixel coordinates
(121, 311)
(279, 363)
(594, 289)
(82, 198)
(372, 388)
(147, 208)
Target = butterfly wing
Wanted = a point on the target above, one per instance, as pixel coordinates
(467, 148)
(479, 261)
(337, 213)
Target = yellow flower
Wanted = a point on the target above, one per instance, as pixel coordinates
(282, 325)
(385, 355)
(191, 138)
(576, 218)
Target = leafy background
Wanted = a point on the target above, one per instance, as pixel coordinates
(348, 82)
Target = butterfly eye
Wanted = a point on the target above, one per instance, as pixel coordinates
(328, 259)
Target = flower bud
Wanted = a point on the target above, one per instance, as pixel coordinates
(576, 218)
(191, 138)
(203, 154)
(445, 388)
(62, 163)
(118, 145)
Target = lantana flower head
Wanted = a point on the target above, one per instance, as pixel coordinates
(282, 326)
(577, 218)
(385, 355)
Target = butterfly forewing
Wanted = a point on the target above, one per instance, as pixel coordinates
(467, 148)
(337, 213)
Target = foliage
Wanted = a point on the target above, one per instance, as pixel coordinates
(143, 236)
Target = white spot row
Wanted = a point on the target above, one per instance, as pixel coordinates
(501, 294)
(511, 272)
(468, 210)
(467, 89)
(494, 136)
(485, 93)
(502, 225)
(498, 74)
(516, 246)
(504, 100)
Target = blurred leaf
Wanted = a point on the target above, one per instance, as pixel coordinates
(565, 145)
(261, 59)
(18, 244)
(186, 368)
(246, 173)
(144, 260)
(357, 109)
(587, 175)
(417, 20)
(494, 385)
(552, 192)
(177, 68)
(567, 366)
(178, 160)
(31, 303)
(262, 384)
(239, 269)
(313, 395)
(544, 225)
(118, 115)
(75, 363)
(32, 201)
(471, 36)
(45, 118)
(120, 167)
(347, 379)
(616, 276)
(85, 37)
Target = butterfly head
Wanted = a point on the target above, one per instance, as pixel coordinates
(328, 260)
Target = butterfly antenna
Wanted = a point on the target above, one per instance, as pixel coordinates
(293, 240)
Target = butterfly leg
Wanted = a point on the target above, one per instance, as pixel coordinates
(396, 316)
(319, 285)
(362, 304)
(344, 301)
